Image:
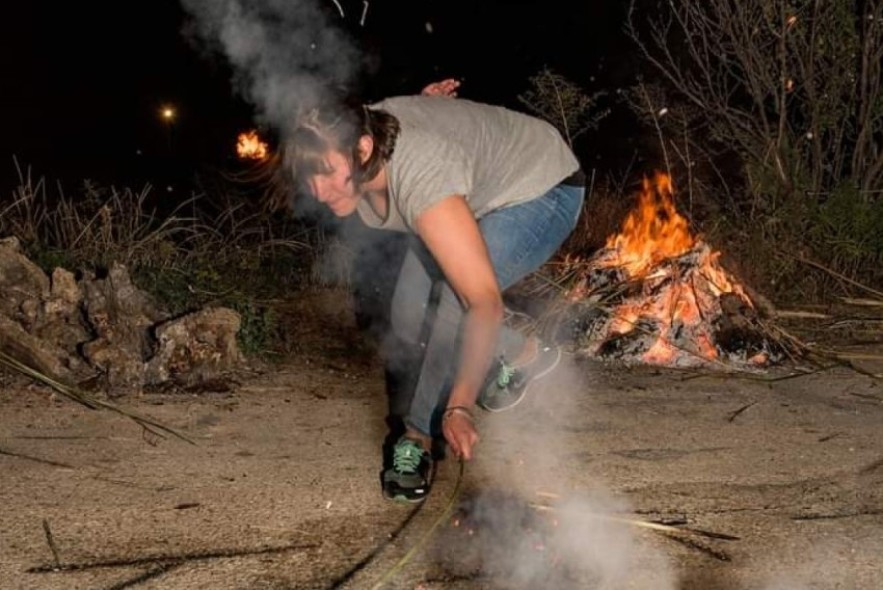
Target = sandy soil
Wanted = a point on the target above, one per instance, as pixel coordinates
(281, 489)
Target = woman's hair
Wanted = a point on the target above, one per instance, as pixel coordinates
(331, 126)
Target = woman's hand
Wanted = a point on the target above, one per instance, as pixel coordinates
(459, 431)
(446, 87)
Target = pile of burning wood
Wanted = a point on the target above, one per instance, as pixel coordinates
(657, 294)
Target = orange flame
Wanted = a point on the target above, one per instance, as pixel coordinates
(653, 231)
(249, 146)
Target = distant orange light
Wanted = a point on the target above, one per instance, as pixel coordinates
(167, 113)
(249, 146)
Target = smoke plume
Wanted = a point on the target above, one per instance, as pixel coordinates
(283, 53)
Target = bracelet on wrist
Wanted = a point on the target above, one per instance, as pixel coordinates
(450, 411)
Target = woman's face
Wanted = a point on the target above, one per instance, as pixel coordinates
(335, 188)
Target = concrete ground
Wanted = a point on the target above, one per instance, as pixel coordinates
(281, 489)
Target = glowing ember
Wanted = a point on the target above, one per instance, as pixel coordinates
(665, 296)
(249, 146)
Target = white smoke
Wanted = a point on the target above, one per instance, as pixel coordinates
(534, 455)
(284, 53)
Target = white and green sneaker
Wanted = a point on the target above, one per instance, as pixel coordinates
(507, 384)
(410, 477)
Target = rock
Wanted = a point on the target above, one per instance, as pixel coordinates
(70, 329)
(22, 285)
(196, 348)
(65, 295)
(34, 352)
(121, 316)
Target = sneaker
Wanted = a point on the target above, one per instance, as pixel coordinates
(507, 384)
(410, 477)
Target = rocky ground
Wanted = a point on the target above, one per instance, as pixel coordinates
(280, 489)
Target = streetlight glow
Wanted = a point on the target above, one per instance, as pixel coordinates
(167, 114)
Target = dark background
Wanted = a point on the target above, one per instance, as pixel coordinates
(84, 82)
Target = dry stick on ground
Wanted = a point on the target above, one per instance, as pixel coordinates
(165, 559)
(665, 528)
(735, 414)
(51, 542)
(842, 359)
(840, 276)
(751, 376)
(695, 544)
(684, 535)
(839, 515)
(148, 424)
(784, 339)
(35, 459)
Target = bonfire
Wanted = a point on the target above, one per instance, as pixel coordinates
(657, 294)
(250, 146)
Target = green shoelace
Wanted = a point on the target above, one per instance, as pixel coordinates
(406, 456)
(506, 373)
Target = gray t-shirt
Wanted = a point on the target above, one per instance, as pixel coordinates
(493, 156)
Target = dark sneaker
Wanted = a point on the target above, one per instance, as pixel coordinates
(410, 477)
(507, 385)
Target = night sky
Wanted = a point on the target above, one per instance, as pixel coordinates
(84, 82)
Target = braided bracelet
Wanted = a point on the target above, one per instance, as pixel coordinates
(457, 409)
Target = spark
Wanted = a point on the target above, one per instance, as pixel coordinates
(339, 7)
(364, 13)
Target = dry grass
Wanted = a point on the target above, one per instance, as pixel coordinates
(221, 248)
(141, 228)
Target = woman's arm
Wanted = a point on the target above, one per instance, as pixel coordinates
(451, 233)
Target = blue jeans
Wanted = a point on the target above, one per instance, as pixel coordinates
(520, 239)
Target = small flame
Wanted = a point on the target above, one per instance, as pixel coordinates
(249, 146)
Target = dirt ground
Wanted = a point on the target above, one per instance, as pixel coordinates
(281, 489)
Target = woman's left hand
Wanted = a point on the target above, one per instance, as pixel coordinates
(460, 433)
(447, 87)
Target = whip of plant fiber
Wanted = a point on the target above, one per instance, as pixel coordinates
(410, 554)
